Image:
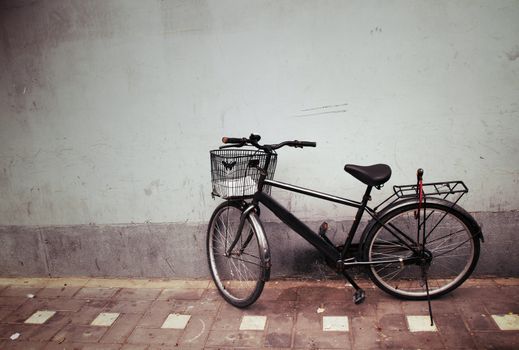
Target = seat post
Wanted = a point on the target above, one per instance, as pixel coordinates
(356, 222)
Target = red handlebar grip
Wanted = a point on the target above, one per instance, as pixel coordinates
(226, 139)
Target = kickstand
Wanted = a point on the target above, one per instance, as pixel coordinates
(428, 297)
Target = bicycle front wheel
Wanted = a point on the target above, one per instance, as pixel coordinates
(240, 274)
(450, 255)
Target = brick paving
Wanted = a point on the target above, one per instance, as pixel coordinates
(162, 314)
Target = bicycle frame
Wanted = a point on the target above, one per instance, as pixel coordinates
(328, 250)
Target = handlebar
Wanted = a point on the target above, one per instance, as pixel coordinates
(254, 139)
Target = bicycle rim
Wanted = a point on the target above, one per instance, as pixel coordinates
(238, 275)
(452, 245)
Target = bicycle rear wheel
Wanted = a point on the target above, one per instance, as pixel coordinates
(451, 250)
(240, 275)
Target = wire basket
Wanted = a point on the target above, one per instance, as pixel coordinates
(235, 173)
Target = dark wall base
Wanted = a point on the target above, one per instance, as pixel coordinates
(178, 250)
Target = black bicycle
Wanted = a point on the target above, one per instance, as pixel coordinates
(417, 245)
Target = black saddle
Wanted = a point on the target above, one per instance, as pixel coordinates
(371, 175)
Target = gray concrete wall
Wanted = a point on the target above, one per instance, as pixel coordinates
(108, 110)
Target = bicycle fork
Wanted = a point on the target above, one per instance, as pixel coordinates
(237, 237)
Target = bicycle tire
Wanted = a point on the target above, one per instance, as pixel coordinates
(453, 243)
(240, 277)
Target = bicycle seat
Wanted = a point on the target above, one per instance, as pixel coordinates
(372, 175)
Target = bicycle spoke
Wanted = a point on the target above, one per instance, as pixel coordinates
(446, 236)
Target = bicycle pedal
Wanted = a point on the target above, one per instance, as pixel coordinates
(359, 296)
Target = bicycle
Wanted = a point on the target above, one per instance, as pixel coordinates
(417, 244)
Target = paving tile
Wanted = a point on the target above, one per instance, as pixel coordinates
(278, 294)
(134, 347)
(367, 308)
(28, 332)
(146, 283)
(392, 322)
(88, 313)
(80, 334)
(167, 347)
(318, 339)
(128, 306)
(4, 312)
(160, 309)
(121, 329)
(509, 322)
(21, 345)
(25, 311)
(509, 291)
(214, 295)
(308, 320)
(335, 324)
(453, 331)
(408, 340)
(476, 317)
(58, 304)
(497, 340)
(95, 293)
(253, 323)
(227, 321)
(264, 307)
(12, 302)
(155, 316)
(475, 294)
(505, 305)
(15, 291)
(154, 336)
(105, 319)
(365, 333)
(81, 346)
(137, 294)
(279, 331)
(181, 294)
(328, 308)
(385, 307)
(323, 293)
(197, 307)
(176, 321)
(40, 317)
(235, 339)
(420, 323)
(415, 307)
(196, 331)
(444, 305)
(59, 320)
(57, 292)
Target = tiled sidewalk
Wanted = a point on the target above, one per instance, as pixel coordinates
(158, 314)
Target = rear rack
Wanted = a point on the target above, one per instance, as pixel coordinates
(439, 189)
(432, 189)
